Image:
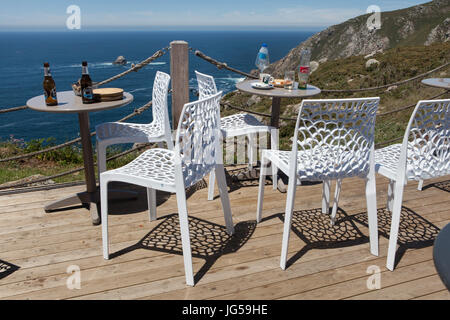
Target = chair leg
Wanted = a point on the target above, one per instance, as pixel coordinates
(169, 141)
(104, 213)
(390, 195)
(371, 200)
(274, 146)
(288, 220)
(325, 196)
(185, 239)
(223, 191)
(212, 181)
(337, 193)
(101, 158)
(151, 200)
(262, 180)
(420, 185)
(395, 223)
(251, 149)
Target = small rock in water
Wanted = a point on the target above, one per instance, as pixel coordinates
(120, 60)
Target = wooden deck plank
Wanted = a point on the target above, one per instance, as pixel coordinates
(419, 286)
(440, 295)
(44, 245)
(301, 276)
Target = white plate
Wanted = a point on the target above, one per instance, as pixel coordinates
(262, 86)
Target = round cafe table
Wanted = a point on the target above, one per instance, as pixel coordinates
(443, 83)
(68, 102)
(277, 94)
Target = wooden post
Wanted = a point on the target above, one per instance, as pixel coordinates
(179, 72)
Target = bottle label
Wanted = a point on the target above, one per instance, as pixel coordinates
(304, 69)
(47, 72)
(50, 97)
(262, 56)
(88, 94)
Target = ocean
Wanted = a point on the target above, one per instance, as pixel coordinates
(21, 70)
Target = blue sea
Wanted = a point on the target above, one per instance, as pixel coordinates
(21, 69)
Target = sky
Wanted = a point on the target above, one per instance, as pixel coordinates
(187, 14)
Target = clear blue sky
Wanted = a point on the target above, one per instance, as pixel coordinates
(121, 14)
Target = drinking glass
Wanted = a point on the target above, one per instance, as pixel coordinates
(289, 78)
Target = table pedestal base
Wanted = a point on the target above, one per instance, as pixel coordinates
(91, 200)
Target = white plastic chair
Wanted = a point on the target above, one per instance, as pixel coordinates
(333, 140)
(237, 125)
(158, 130)
(424, 154)
(197, 152)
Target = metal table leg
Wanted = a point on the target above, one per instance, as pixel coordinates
(90, 197)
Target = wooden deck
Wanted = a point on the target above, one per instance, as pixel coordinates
(37, 248)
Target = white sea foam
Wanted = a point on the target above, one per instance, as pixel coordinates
(139, 89)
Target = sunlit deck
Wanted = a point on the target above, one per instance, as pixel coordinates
(36, 248)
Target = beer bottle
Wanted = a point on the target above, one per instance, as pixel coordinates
(87, 93)
(49, 87)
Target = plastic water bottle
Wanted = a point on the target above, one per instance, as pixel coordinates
(262, 59)
(304, 69)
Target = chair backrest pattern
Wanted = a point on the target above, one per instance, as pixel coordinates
(159, 102)
(198, 138)
(428, 140)
(335, 137)
(206, 85)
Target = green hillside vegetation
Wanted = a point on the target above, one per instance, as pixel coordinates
(395, 65)
(350, 73)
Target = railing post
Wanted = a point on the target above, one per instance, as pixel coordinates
(179, 72)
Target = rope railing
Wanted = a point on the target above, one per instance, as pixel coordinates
(227, 105)
(409, 106)
(398, 83)
(71, 142)
(13, 109)
(136, 67)
(219, 65)
(58, 175)
(385, 143)
(223, 65)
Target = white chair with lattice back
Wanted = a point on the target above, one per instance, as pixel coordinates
(158, 130)
(237, 125)
(197, 152)
(424, 154)
(333, 140)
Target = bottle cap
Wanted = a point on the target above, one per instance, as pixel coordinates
(264, 45)
(84, 63)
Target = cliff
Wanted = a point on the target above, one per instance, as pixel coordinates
(423, 24)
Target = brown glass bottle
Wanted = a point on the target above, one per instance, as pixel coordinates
(49, 87)
(87, 94)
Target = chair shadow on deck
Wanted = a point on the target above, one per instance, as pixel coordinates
(209, 241)
(120, 207)
(315, 230)
(415, 232)
(443, 185)
(7, 268)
